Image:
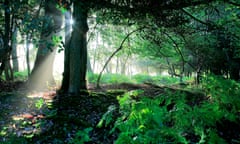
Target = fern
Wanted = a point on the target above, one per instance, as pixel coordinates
(169, 118)
(82, 136)
(107, 118)
(225, 94)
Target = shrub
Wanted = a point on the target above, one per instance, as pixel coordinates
(225, 93)
(108, 78)
(21, 75)
(92, 78)
(114, 78)
(140, 78)
(82, 136)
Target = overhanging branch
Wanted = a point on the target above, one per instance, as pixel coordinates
(193, 17)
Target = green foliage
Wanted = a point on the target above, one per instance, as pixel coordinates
(138, 78)
(39, 103)
(61, 8)
(107, 118)
(144, 121)
(92, 78)
(224, 93)
(82, 136)
(108, 78)
(114, 78)
(58, 42)
(166, 80)
(21, 75)
(14, 139)
(169, 118)
(141, 78)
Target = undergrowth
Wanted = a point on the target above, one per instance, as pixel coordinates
(20, 76)
(168, 118)
(138, 79)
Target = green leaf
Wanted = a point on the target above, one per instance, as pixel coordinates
(39, 103)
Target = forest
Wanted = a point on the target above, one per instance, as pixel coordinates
(120, 71)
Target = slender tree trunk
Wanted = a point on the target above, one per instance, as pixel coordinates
(27, 54)
(78, 49)
(95, 53)
(117, 65)
(123, 65)
(2, 53)
(124, 61)
(14, 50)
(89, 67)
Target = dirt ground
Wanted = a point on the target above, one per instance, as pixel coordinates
(21, 117)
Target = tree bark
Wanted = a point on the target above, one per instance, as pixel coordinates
(65, 80)
(89, 66)
(95, 52)
(14, 50)
(6, 67)
(78, 49)
(27, 54)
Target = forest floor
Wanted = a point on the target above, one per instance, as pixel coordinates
(44, 117)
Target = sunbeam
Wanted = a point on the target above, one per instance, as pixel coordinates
(71, 22)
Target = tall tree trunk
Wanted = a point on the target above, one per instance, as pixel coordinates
(117, 65)
(14, 50)
(8, 70)
(123, 65)
(27, 54)
(2, 53)
(95, 52)
(42, 73)
(78, 49)
(89, 66)
(7, 28)
(66, 72)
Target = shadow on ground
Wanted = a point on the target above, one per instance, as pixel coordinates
(47, 117)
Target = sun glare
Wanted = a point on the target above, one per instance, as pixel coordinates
(71, 21)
